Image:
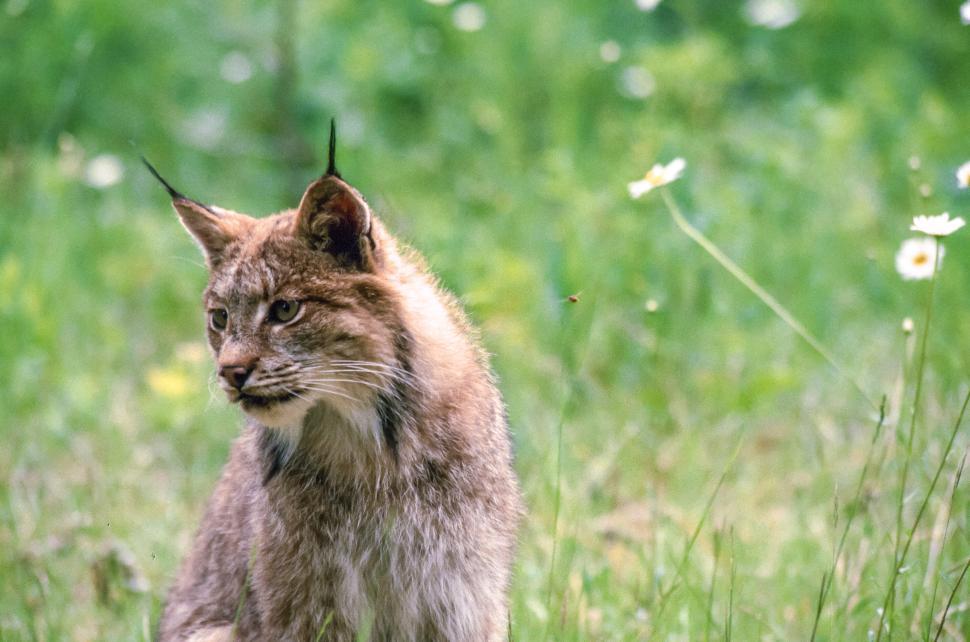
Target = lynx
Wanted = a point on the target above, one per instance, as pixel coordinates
(372, 487)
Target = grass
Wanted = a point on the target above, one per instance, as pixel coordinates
(900, 556)
(503, 156)
(829, 575)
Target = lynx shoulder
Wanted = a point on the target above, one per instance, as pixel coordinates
(372, 486)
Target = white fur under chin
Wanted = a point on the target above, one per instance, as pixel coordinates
(285, 417)
(289, 421)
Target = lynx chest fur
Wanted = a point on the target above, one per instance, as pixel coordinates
(372, 487)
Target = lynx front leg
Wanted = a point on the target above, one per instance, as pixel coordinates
(204, 603)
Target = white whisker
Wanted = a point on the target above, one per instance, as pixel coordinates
(356, 369)
(360, 381)
(352, 362)
(392, 371)
(272, 383)
(296, 394)
(211, 381)
(377, 367)
(375, 364)
(327, 390)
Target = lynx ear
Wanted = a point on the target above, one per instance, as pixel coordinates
(333, 218)
(212, 228)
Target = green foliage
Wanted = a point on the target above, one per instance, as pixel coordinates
(503, 155)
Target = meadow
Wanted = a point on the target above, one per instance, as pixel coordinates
(693, 468)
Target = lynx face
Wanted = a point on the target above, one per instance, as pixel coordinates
(289, 327)
(297, 309)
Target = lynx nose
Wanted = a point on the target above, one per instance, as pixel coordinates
(235, 375)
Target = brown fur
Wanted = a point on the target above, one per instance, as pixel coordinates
(382, 494)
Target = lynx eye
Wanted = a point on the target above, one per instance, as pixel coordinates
(218, 318)
(283, 311)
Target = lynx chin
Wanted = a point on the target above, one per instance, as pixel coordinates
(372, 487)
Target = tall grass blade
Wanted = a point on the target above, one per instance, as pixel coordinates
(856, 501)
(819, 604)
(729, 627)
(949, 602)
(919, 516)
(324, 626)
(678, 573)
(561, 424)
(747, 281)
(946, 530)
(710, 593)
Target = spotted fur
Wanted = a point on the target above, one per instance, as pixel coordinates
(372, 485)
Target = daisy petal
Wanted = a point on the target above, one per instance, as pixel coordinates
(941, 225)
(639, 188)
(657, 176)
(963, 176)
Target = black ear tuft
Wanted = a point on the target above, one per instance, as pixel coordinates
(332, 162)
(174, 193)
(212, 229)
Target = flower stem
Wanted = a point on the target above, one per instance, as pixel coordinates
(910, 437)
(747, 281)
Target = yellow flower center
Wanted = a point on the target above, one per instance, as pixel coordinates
(921, 258)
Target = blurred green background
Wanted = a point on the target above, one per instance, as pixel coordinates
(498, 138)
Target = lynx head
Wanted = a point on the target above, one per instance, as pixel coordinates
(298, 307)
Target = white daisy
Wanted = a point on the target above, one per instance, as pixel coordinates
(647, 5)
(636, 82)
(236, 68)
(963, 172)
(657, 176)
(916, 257)
(610, 51)
(104, 171)
(469, 16)
(772, 14)
(965, 13)
(941, 225)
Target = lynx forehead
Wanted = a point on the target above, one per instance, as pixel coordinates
(373, 481)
